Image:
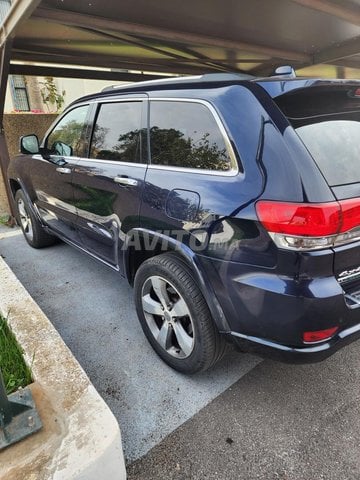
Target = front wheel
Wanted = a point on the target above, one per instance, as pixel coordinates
(33, 231)
(174, 315)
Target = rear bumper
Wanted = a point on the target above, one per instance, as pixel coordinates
(267, 313)
(285, 353)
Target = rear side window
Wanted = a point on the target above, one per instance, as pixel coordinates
(335, 147)
(327, 119)
(116, 134)
(186, 134)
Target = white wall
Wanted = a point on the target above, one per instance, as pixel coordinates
(74, 88)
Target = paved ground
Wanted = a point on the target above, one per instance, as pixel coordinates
(244, 420)
(92, 308)
(279, 422)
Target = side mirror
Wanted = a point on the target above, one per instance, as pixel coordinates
(29, 144)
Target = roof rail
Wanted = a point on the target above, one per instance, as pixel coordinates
(207, 77)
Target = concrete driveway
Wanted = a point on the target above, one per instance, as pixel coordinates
(245, 419)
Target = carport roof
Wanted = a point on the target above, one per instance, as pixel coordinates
(183, 36)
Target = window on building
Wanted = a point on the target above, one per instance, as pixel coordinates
(4, 8)
(19, 93)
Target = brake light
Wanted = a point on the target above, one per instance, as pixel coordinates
(313, 220)
(357, 92)
(350, 214)
(319, 335)
(310, 226)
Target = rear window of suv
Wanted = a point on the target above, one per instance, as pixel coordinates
(328, 123)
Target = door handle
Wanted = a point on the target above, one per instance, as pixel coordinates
(63, 170)
(130, 182)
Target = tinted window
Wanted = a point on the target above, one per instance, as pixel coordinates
(335, 147)
(185, 134)
(66, 138)
(327, 119)
(117, 132)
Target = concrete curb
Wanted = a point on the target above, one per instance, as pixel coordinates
(81, 438)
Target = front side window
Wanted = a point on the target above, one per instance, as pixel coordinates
(67, 137)
(117, 130)
(186, 134)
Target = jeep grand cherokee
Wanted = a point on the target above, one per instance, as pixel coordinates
(231, 204)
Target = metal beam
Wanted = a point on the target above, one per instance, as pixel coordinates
(346, 11)
(20, 10)
(347, 62)
(166, 36)
(334, 53)
(106, 62)
(191, 55)
(43, 44)
(146, 45)
(63, 72)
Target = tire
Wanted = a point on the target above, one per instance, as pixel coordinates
(174, 315)
(33, 231)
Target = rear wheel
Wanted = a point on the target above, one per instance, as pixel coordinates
(174, 315)
(33, 231)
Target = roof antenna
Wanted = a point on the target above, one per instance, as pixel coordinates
(285, 71)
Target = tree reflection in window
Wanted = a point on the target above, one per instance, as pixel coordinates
(69, 131)
(117, 132)
(185, 134)
(171, 147)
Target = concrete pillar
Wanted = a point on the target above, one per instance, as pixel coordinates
(4, 153)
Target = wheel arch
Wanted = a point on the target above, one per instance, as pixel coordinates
(14, 186)
(17, 184)
(136, 251)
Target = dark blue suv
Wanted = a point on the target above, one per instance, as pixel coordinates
(231, 204)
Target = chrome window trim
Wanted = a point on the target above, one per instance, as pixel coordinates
(199, 171)
(232, 172)
(114, 162)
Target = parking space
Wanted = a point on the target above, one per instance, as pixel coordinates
(92, 308)
(245, 419)
(279, 422)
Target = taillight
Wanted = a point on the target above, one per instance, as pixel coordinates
(350, 214)
(310, 226)
(310, 220)
(319, 335)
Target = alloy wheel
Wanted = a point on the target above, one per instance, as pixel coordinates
(168, 317)
(25, 219)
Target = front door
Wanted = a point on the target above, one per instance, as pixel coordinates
(52, 172)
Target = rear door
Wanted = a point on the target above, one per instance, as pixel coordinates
(328, 122)
(108, 184)
(193, 178)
